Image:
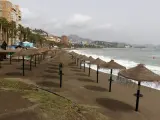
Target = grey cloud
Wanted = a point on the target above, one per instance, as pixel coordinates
(135, 21)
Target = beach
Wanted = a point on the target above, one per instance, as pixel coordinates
(83, 90)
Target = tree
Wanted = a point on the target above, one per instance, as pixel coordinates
(12, 31)
(3, 29)
(21, 32)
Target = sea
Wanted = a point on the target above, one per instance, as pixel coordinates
(128, 57)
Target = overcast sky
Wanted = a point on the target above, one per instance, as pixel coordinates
(131, 21)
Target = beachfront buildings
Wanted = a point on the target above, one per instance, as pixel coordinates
(65, 40)
(52, 38)
(10, 11)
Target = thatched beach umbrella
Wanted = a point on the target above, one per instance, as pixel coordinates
(90, 59)
(29, 52)
(76, 57)
(64, 58)
(79, 60)
(139, 73)
(98, 62)
(112, 65)
(10, 51)
(84, 58)
(72, 54)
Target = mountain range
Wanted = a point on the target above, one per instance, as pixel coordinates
(77, 39)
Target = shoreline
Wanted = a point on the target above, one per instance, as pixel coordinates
(152, 85)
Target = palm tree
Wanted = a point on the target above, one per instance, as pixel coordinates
(28, 34)
(3, 29)
(12, 31)
(21, 32)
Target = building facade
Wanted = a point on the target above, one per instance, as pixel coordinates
(53, 39)
(64, 40)
(10, 11)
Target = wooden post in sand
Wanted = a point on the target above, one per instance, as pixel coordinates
(89, 69)
(110, 82)
(10, 58)
(97, 72)
(80, 64)
(38, 59)
(138, 95)
(23, 65)
(60, 74)
(30, 63)
(35, 60)
(84, 65)
(77, 61)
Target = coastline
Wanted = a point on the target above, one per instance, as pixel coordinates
(152, 85)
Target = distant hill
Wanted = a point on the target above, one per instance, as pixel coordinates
(77, 39)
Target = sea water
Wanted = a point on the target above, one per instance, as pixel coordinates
(128, 57)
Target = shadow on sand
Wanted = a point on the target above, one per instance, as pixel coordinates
(51, 71)
(74, 67)
(85, 80)
(81, 74)
(14, 74)
(48, 84)
(76, 70)
(71, 64)
(53, 68)
(114, 105)
(24, 68)
(52, 64)
(95, 88)
(50, 77)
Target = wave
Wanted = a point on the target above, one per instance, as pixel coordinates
(126, 63)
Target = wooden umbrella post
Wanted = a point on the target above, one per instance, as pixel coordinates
(89, 69)
(110, 82)
(80, 64)
(35, 60)
(23, 65)
(18, 59)
(0, 63)
(60, 74)
(97, 73)
(30, 63)
(84, 65)
(41, 57)
(138, 95)
(77, 61)
(10, 58)
(38, 59)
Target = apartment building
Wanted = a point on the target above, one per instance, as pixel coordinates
(64, 40)
(10, 11)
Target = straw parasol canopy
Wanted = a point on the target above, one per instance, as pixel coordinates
(72, 53)
(64, 58)
(90, 59)
(8, 51)
(79, 56)
(139, 73)
(84, 58)
(112, 65)
(98, 62)
(28, 52)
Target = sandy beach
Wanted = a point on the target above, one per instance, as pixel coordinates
(83, 90)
